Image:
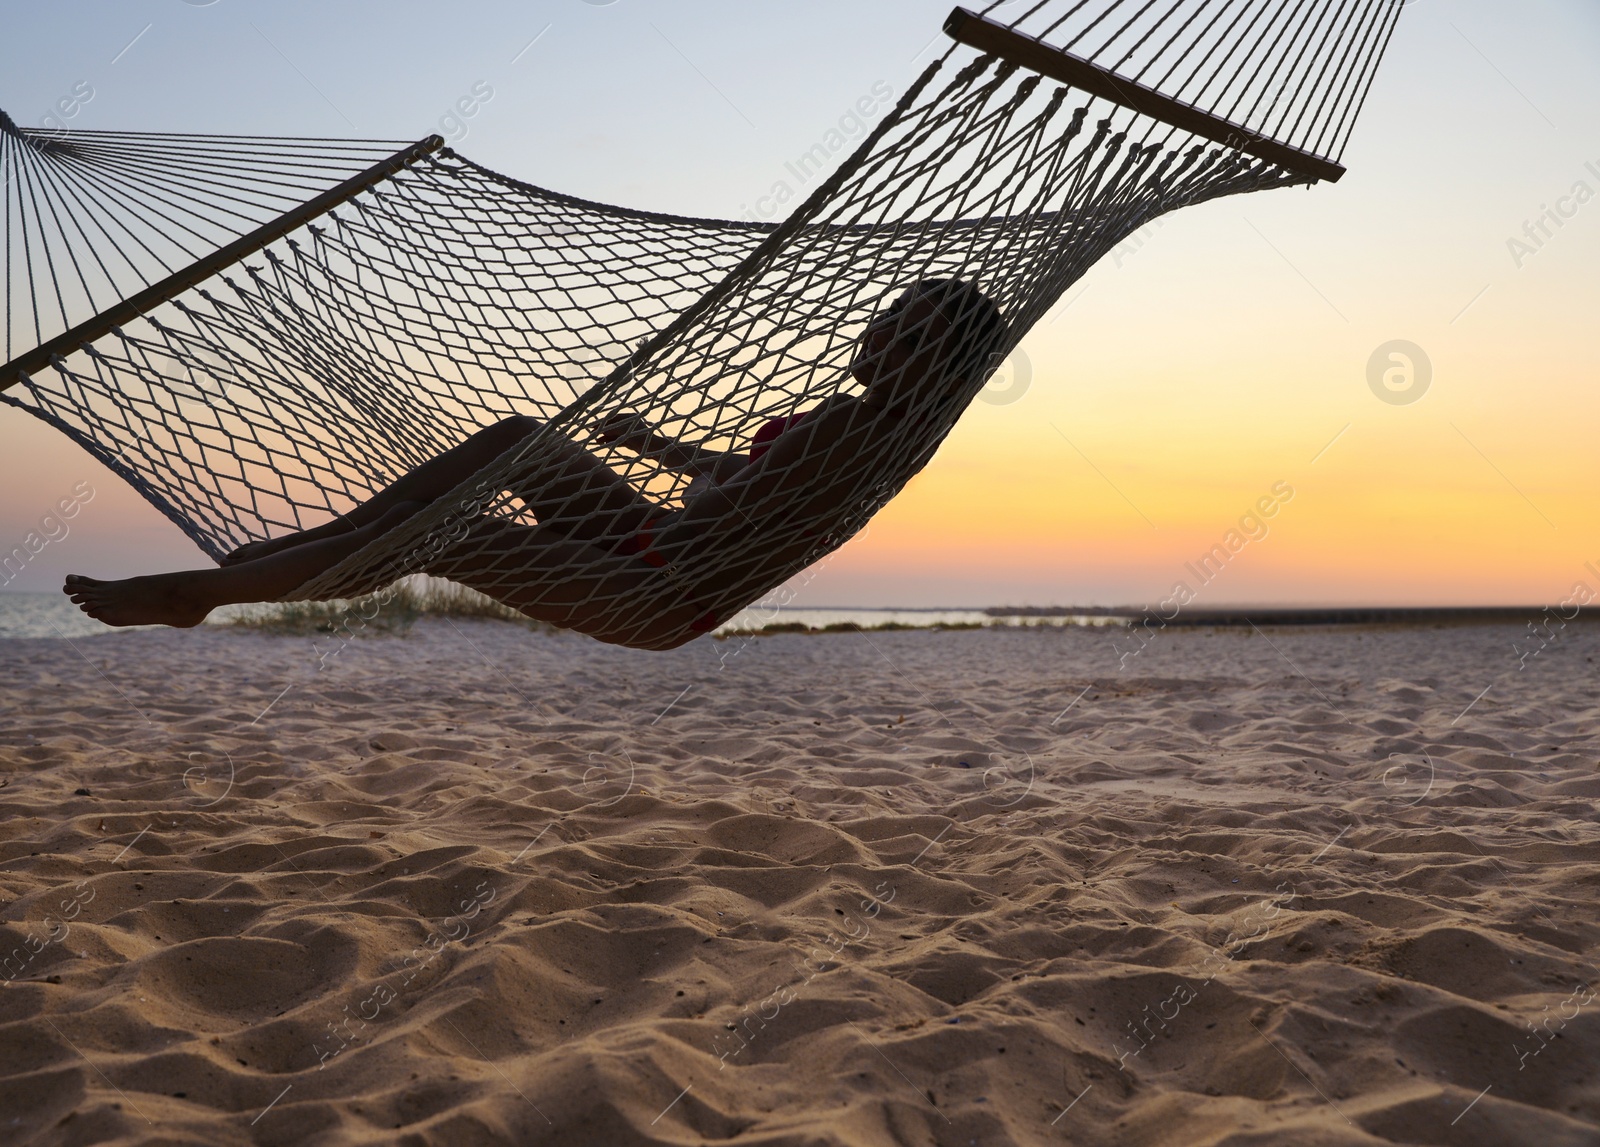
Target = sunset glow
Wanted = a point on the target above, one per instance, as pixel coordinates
(1218, 352)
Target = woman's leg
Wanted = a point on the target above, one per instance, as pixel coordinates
(564, 485)
(434, 478)
(544, 574)
(183, 599)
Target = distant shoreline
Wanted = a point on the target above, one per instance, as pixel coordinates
(1298, 616)
(47, 614)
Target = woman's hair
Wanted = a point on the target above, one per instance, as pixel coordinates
(977, 328)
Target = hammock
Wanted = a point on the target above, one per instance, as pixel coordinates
(259, 334)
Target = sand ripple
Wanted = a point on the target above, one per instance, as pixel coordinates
(481, 886)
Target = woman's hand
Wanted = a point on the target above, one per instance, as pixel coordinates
(626, 429)
(250, 551)
(630, 431)
(253, 551)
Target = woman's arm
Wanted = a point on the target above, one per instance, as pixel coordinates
(806, 465)
(632, 432)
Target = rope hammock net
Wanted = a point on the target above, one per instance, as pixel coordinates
(259, 334)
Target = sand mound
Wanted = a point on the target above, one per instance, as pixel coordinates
(483, 886)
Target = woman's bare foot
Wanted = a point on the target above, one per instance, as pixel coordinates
(162, 599)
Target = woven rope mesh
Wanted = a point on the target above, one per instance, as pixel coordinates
(89, 217)
(287, 389)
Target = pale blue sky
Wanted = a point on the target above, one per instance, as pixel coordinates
(684, 106)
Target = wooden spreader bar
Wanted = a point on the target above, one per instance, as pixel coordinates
(996, 39)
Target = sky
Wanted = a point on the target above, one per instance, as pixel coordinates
(1219, 363)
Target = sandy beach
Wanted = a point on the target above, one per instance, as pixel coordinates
(480, 885)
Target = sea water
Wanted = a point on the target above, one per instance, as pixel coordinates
(45, 615)
(52, 615)
(821, 617)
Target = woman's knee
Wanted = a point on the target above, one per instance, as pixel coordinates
(517, 427)
(498, 437)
